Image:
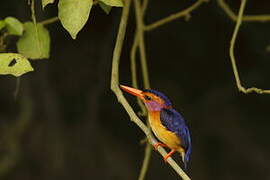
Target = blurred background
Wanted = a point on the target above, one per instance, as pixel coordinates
(67, 124)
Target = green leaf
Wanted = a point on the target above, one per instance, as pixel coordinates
(117, 3)
(35, 42)
(73, 14)
(105, 7)
(14, 26)
(2, 24)
(46, 2)
(14, 64)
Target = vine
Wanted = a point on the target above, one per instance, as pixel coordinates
(239, 19)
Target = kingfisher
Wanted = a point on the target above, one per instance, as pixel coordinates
(167, 124)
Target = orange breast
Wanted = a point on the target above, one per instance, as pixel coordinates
(165, 136)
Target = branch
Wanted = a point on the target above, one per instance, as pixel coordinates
(232, 56)
(139, 42)
(183, 13)
(49, 21)
(133, 68)
(146, 160)
(115, 88)
(250, 18)
(140, 32)
(134, 48)
(144, 6)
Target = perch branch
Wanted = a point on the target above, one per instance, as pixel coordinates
(232, 56)
(250, 18)
(115, 88)
(184, 13)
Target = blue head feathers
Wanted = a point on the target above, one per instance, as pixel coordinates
(159, 94)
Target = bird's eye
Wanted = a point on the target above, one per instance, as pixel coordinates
(148, 98)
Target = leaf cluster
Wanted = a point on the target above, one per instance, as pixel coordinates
(34, 38)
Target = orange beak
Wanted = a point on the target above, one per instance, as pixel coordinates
(133, 91)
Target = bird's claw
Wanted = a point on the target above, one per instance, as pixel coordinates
(169, 155)
(159, 144)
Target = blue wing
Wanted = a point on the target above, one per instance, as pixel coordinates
(174, 122)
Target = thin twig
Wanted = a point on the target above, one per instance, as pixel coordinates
(133, 68)
(49, 21)
(140, 32)
(139, 42)
(232, 56)
(183, 13)
(133, 63)
(144, 6)
(115, 88)
(250, 18)
(33, 14)
(146, 161)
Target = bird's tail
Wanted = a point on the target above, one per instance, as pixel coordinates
(184, 159)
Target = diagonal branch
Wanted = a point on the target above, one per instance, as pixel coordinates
(115, 88)
(232, 56)
(250, 18)
(184, 13)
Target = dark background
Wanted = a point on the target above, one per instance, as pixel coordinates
(67, 123)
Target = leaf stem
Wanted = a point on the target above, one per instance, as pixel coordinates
(49, 21)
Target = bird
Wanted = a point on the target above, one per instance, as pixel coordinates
(167, 124)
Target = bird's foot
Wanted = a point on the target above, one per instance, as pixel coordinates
(159, 144)
(169, 155)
